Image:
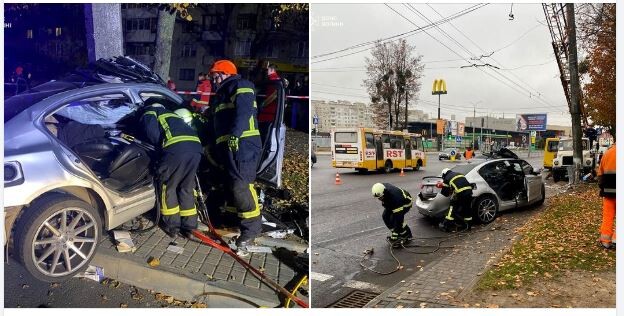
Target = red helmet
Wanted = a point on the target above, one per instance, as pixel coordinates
(224, 66)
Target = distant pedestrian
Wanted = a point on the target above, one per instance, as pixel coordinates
(171, 85)
(21, 84)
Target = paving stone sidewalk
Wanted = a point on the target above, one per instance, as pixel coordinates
(197, 264)
(442, 283)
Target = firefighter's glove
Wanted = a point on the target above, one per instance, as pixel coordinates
(233, 143)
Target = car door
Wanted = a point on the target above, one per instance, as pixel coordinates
(532, 182)
(269, 169)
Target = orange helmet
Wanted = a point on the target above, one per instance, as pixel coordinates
(224, 66)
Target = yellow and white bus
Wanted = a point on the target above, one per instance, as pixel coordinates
(367, 149)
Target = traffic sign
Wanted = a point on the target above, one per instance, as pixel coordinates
(458, 139)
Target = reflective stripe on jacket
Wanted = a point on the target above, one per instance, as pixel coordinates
(235, 110)
(606, 171)
(165, 129)
(457, 182)
(395, 199)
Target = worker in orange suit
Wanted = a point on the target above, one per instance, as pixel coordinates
(468, 153)
(606, 181)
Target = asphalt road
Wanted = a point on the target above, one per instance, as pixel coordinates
(346, 221)
(23, 291)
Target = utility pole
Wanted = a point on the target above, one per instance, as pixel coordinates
(574, 95)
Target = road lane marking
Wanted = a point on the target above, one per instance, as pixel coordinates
(320, 277)
(359, 285)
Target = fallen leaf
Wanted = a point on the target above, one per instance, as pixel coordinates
(123, 305)
(198, 305)
(153, 262)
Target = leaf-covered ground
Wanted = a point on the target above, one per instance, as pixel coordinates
(295, 172)
(560, 240)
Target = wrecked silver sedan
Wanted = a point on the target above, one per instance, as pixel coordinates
(498, 185)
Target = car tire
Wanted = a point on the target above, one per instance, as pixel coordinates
(486, 208)
(555, 176)
(388, 167)
(55, 228)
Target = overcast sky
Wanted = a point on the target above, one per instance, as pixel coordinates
(522, 50)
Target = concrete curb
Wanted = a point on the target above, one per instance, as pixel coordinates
(179, 286)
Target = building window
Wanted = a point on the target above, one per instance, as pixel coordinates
(302, 49)
(246, 22)
(243, 48)
(140, 24)
(58, 31)
(189, 50)
(187, 74)
(138, 49)
(29, 33)
(210, 22)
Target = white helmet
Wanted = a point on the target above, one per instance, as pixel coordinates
(444, 172)
(185, 115)
(378, 190)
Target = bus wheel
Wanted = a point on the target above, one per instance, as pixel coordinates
(388, 166)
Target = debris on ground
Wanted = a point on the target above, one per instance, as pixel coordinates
(124, 241)
(153, 262)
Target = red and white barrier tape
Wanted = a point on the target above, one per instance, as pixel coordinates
(260, 95)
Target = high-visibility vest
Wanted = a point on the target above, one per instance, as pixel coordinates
(606, 171)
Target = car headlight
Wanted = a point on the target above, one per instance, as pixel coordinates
(556, 163)
(13, 174)
(588, 162)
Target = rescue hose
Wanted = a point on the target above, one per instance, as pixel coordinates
(220, 244)
(437, 247)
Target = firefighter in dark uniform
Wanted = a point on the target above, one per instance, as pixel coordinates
(396, 202)
(456, 184)
(238, 147)
(179, 156)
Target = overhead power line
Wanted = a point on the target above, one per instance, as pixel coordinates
(407, 34)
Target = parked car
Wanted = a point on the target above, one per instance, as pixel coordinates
(446, 154)
(60, 195)
(498, 185)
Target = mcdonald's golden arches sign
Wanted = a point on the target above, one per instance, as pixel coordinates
(439, 87)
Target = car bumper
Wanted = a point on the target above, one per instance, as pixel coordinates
(436, 207)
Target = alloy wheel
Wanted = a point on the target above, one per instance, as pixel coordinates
(64, 242)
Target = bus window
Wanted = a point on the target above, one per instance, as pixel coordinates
(385, 140)
(370, 143)
(414, 143)
(345, 137)
(396, 142)
(408, 144)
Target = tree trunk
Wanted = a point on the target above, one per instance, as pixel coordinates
(164, 42)
(104, 31)
(574, 96)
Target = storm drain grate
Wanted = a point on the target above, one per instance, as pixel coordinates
(355, 299)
